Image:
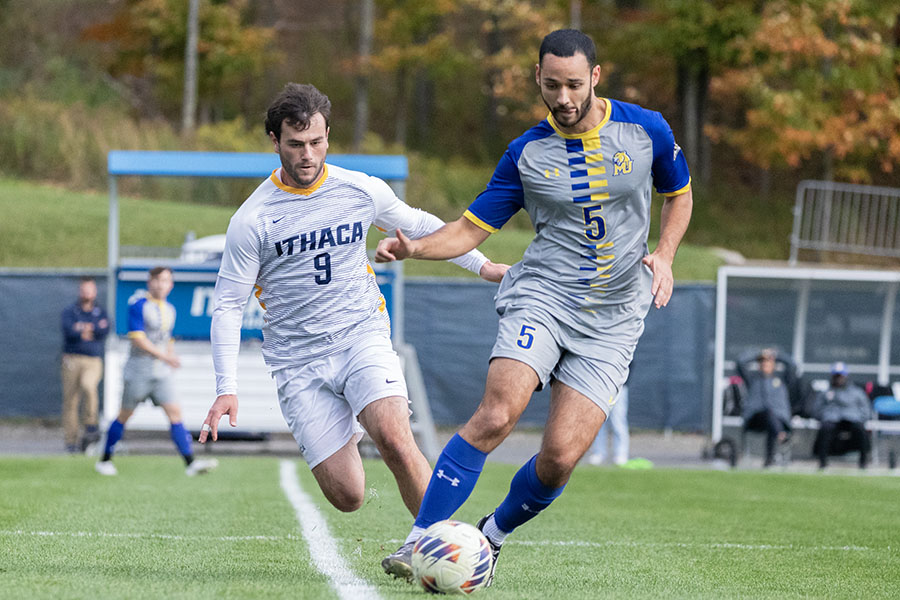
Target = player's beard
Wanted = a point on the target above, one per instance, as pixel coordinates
(580, 114)
(295, 173)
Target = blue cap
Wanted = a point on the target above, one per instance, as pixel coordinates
(839, 368)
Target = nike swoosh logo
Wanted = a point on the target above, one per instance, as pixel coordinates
(276, 220)
(390, 380)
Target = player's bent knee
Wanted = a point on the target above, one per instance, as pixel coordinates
(554, 468)
(345, 500)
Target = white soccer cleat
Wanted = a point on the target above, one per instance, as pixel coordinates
(200, 466)
(105, 467)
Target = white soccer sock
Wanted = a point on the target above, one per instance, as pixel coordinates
(414, 535)
(494, 533)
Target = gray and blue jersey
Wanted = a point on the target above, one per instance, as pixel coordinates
(588, 196)
(154, 320)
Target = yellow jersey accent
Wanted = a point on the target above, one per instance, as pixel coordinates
(678, 192)
(587, 134)
(480, 223)
(591, 144)
(257, 293)
(300, 191)
(136, 334)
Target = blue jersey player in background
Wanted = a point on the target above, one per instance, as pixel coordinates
(572, 310)
(148, 372)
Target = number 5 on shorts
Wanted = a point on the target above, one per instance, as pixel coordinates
(526, 337)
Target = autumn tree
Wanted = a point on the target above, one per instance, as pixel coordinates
(463, 67)
(672, 48)
(817, 81)
(144, 48)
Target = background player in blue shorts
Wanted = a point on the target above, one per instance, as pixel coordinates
(572, 310)
(148, 371)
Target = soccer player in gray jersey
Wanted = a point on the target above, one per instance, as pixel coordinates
(148, 371)
(572, 310)
(299, 241)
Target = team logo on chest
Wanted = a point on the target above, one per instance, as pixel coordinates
(346, 233)
(622, 163)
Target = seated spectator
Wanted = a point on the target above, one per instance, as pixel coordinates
(767, 406)
(843, 407)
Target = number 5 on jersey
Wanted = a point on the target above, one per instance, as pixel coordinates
(595, 226)
(526, 337)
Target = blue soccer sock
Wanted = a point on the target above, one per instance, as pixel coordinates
(182, 440)
(526, 498)
(453, 479)
(113, 435)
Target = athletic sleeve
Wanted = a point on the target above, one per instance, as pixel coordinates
(225, 332)
(502, 198)
(669, 170)
(391, 214)
(240, 261)
(136, 318)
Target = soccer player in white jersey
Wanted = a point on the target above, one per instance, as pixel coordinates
(299, 241)
(572, 310)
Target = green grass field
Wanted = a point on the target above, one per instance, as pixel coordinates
(66, 532)
(46, 226)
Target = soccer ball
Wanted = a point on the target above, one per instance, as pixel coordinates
(451, 557)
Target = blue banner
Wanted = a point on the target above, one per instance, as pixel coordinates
(193, 295)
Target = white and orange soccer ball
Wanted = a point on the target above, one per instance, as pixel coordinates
(452, 557)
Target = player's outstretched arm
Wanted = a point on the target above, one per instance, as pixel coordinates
(676, 214)
(226, 404)
(494, 272)
(452, 240)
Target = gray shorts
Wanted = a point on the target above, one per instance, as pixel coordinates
(143, 380)
(595, 366)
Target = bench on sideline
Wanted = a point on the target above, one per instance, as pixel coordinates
(873, 426)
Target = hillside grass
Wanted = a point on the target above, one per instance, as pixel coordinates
(48, 226)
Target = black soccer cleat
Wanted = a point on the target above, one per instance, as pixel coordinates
(495, 549)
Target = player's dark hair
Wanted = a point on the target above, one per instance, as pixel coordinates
(86, 279)
(296, 105)
(157, 271)
(566, 42)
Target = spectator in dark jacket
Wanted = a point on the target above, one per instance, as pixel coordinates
(84, 329)
(767, 405)
(844, 406)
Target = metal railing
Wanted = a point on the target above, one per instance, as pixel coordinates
(848, 218)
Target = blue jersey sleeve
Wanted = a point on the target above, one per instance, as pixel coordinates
(670, 170)
(136, 316)
(502, 198)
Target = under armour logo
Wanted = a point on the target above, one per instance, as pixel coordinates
(454, 481)
(527, 508)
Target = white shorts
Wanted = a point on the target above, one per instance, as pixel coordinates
(320, 400)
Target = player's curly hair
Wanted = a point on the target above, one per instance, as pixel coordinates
(296, 105)
(566, 42)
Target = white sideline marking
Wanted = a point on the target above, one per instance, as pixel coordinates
(574, 543)
(152, 536)
(322, 547)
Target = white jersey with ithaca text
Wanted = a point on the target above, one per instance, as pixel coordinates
(304, 250)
